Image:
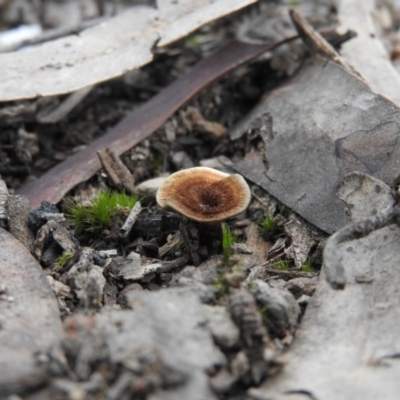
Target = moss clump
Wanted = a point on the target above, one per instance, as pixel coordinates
(227, 241)
(306, 266)
(268, 227)
(62, 260)
(283, 265)
(100, 213)
(221, 285)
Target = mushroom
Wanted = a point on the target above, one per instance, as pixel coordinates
(204, 194)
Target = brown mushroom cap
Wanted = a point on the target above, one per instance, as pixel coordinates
(204, 194)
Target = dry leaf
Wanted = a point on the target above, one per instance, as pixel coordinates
(326, 123)
(105, 51)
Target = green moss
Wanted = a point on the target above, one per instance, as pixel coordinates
(193, 41)
(156, 164)
(221, 285)
(283, 265)
(263, 311)
(267, 224)
(251, 283)
(264, 315)
(62, 260)
(307, 267)
(268, 227)
(99, 214)
(227, 241)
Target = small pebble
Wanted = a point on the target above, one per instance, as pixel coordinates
(149, 188)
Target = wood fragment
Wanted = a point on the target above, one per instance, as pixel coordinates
(132, 217)
(208, 127)
(173, 244)
(171, 266)
(108, 253)
(58, 233)
(258, 198)
(116, 170)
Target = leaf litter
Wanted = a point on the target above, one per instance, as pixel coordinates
(128, 308)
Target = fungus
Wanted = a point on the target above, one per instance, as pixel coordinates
(204, 194)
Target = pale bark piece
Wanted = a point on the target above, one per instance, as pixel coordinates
(129, 222)
(131, 269)
(105, 51)
(348, 345)
(29, 319)
(326, 123)
(365, 196)
(150, 187)
(366, 52)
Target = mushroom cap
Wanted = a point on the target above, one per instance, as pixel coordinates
(204, 194)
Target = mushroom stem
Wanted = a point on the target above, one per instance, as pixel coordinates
(210, 236)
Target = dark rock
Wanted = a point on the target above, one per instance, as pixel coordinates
(36, 218)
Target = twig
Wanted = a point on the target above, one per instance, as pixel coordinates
(116, 170)
(132, 217)
(175, 264)
(316, 42)
(188, 244)
(259, 200)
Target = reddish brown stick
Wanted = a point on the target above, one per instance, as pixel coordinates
(140, 123)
